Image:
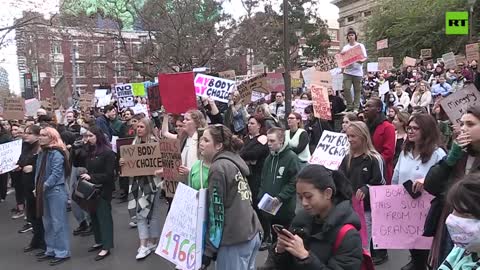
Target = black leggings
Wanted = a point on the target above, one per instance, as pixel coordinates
(17, 183)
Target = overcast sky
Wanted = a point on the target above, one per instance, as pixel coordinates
(13, 9)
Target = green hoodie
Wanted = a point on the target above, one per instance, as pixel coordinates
(278, 179)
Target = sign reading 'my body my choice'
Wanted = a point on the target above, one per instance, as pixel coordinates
(217, 88)
(140, 159)
(331, 149)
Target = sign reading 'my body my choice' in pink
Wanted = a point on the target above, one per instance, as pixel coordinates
(217, 88)
(398, 219)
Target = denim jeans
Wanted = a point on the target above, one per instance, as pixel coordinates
(152, 229)
(239, 257)
(55, 221)
(79, 214)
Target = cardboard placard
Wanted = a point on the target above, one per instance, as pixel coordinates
(170, 188)
(331, 149)
(217, 88)
(154, 98)
(122, 141)
(349, 57)
(385, 63)
(397, 219)
(86, 101)
(228, 74)
(297, 74)
(14, 108)
(125, 95)
(426, 53)
(321, 104)
(472, 52)
(382, 44)
(177, 91)
(372, 67)
(326, 63)
(275, 82)
(312, 76)
(9, 154)
(171, 159)
(409, 61)
(140, 159)
(460, 59)
(449, 60)
(257, 84)
(456, 104)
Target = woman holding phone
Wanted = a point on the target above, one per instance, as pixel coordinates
(420, 152)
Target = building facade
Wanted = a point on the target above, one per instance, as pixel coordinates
(4, 83)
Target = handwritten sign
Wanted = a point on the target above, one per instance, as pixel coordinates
(449, 60)
(326, 63)
(154, 98)
(385, 63)
(9, 155)
(382, 44)
(397, 219)
(228, 74)
(460, 59)
(321, 103)
(217, 88)
(171, 158)
(349, 57)
(456, 104)
(182, 235)
(14, 108)
(140, 159)
(257, 84)
(170, 187)
(312, 76)
(86, 101)
(409, 61)
(275, 82)
(331, 149)
(125, 96)
(31, 106)
(300, 106)
(372, 67)
(472, 51)
(426, 53)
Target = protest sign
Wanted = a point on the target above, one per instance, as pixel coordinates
(86, 101)
(9, 155)
(300, 106)
(326, 63)
(257, 84)
(120, 142)
(138, 89)
(103, 101)
(349, 57)
(321, 104)
(382, 44)
(398, 219)
(177, 91)
(385, 63)
(275, 82)
(125, 96)
(337, 82)
(460, 59)
(13, 108)
(31, 106)
(372, 67)
(113, 143)
(62, 92)
(258, 69)
(228, 74)
(449, 60)
(154, 99)
(312, 76)
(331, 149)
(181, 241)
(140, 108)
(384, 88)
(409, 61)
(170, 187)
(472, 51)
(296, 83)
(297, 74)
(426, 53)
(171, 158)
(140, 159)
(217, 88)
(456, 104)
(256, 96)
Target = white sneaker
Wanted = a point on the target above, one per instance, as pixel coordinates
(152, 247)
(143, 252)
(132, 224)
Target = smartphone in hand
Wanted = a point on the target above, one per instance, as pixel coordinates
(408, 185)
(278, 228)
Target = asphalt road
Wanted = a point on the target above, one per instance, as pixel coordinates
(12, 256)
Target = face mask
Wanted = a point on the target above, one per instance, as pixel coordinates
(465, 232)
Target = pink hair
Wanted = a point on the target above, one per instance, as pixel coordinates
(56, 140)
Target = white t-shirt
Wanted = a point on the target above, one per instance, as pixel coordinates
(355, 69)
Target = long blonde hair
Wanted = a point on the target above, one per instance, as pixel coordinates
(360, 129)
(150, 135)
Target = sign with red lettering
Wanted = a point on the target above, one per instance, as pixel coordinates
(382, 44)
(472, 51)
(321, 103)
(171, 159)
(349, 57)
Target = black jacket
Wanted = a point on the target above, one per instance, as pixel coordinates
(320, 238)
(254, 154)
(315, 128)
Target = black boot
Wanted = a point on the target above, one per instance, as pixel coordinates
(81, 228)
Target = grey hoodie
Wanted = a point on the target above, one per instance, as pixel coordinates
(232, 219)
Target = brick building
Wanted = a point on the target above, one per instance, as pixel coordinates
(353, 14)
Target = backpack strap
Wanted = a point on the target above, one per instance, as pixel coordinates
(341, 234)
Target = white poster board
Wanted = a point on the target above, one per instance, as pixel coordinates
(217, 88)
(9, 155)
(125, 95)
(331, 149)
(300, 106)
(182, 236)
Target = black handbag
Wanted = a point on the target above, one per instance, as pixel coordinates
(86, 190)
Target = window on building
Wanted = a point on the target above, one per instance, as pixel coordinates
(80, 70)
(77, 47)
(57, 70)
(56, 47)
(143, 39)
(99, 71)
(118, 47)
(120, 70)
(135, 49)
(350, 19)
(367, 13)
(333, 35)
(99, 49)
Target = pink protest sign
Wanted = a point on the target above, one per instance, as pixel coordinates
(397, 219)
(358, 208)
(349, 57)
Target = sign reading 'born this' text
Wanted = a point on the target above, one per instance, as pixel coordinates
(397, 219)
(9, 155)
(171, 159)
(140, 159)
(125, 96)
(217, 88)
(182, 234)
(331, 149)
(456, 104)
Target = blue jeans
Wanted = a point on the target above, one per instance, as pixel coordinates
(239, 257)
(55, 222)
